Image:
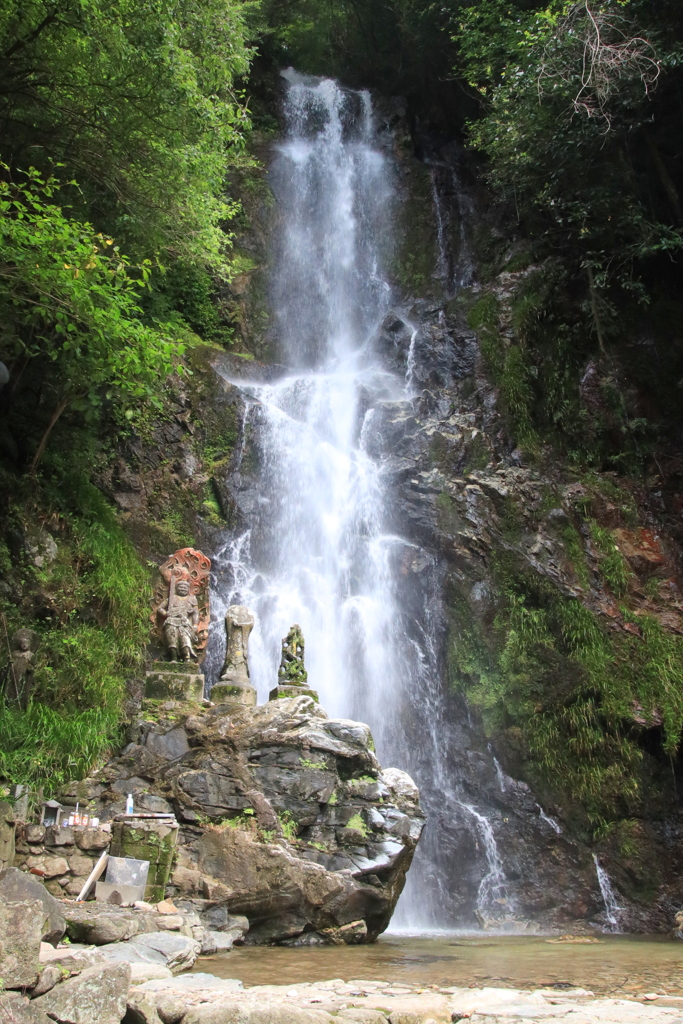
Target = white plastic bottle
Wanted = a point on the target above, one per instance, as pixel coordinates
(129, 804)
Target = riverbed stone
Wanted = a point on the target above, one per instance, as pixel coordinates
(17, 1009)
(49, 977)
(21, 926)
(18, 886)
(96, 996)
(98, 924)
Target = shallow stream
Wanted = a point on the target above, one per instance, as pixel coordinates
(615, 964)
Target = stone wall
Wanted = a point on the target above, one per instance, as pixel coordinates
(63, 857)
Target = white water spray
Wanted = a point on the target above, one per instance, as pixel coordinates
(554, 825)
(323, 549)
(493, 900)
(613, 912)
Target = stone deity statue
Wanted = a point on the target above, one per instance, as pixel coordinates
(292, 671)
(181, 618)
(239, 623)
(181, 605)
(19, 673)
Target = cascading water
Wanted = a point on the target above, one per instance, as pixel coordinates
(319, 552)
(323, 547)
(613, 912)
(493, 901)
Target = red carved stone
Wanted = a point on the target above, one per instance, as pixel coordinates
(195, 567)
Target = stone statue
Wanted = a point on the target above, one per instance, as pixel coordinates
(20, 671)
(239, 623)
(234, 687)
(181, 618)
(292, 671)
(292, 676)
(181, 605)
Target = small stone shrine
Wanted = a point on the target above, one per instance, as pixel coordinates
(180, 618)
(234, 686)
(292, 675)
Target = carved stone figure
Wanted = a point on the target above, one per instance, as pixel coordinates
(234, 687)
(292, 671)
(181, 618)
(181, 605)
(19, 673)
(239, 623)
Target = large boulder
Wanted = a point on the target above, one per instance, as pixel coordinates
(21, 926)
(287, 819)
(95, 996)
(16, 887)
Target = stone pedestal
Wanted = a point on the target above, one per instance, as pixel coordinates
(171, 680)
(236, 690)
(149, 839)
(290, 690)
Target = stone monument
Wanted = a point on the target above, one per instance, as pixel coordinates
(234, 686)
(180, 617)
(18, 676)
(292, 674)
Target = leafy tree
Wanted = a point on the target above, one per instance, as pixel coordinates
(70, 300)
(139, 101)
(569, 92)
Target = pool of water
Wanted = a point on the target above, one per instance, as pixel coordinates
(614, 964)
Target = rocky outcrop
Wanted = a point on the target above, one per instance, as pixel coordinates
(286, 819)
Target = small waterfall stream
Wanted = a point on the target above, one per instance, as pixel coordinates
(613, 912)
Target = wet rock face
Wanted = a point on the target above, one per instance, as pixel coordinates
(287, 817)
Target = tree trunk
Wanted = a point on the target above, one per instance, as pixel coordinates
(59, 409)
(595, 311)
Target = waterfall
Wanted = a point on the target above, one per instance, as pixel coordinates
(494, 905)
(554, 825)
(613, 912)
(324, 547)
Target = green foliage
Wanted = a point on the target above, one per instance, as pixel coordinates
(99, 596)
(577, 115)
(613, 566)
(576, 553)
(356, 822)
(568, 692)
(140, 105)
(553, 133)
(288, 826)
(49, 746)
(306, 762)
(70, 299)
